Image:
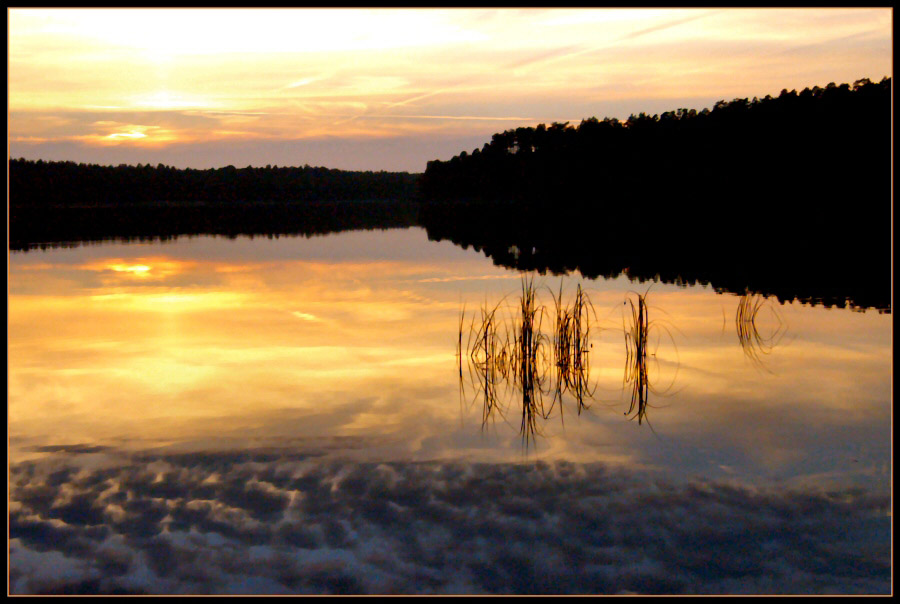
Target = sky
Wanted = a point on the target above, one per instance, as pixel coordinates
(391, 89)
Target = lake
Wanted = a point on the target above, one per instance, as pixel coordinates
(315, 415)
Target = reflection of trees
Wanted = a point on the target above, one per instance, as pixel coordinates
(38, 227)
(531, 240)
(755, 342)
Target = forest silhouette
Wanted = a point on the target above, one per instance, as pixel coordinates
(835, 139)
(58, 202)
(787, 196)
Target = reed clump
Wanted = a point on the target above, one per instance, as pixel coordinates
(755, 343)
(516, 356)
(529, 359)
(521, 356)
(571, 348)
(636, 357)
(487, 362)
(638, 329)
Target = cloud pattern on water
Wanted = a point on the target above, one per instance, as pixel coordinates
(301, 521)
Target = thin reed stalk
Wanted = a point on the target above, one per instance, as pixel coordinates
(484, 351)
(528, 344)
(636, 357)
(752, 341)
(571, 348)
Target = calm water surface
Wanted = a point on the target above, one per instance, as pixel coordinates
(291, 416)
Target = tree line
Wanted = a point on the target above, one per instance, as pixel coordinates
(814, 140)
(40, 183)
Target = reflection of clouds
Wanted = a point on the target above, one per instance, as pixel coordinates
(295, 521)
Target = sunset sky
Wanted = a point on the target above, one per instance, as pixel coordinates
(391, 89)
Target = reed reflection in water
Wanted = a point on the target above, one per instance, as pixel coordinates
(518, 357)
(757, 342)
(530, 360)
(638, 328)
(571, 348)
(512, 355)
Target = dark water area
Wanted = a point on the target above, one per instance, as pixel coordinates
(839, 260)
(59, 225)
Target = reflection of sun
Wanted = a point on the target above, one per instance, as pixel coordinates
(149, 267)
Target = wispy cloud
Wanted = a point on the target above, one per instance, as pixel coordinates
(469, 278)
(486, 118)
(667, 25)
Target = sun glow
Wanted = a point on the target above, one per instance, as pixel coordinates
(154, 268)
(139, 270)
(171, 100)
(126, 135)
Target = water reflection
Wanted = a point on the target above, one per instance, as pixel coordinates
(530, 360)
(636, 357)
(487, 359)
(638, 331)
(296, 520)
(281, 417)
(532, 240)
(37, 227)
(517, 356)
(756, 341)
(571, 348)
